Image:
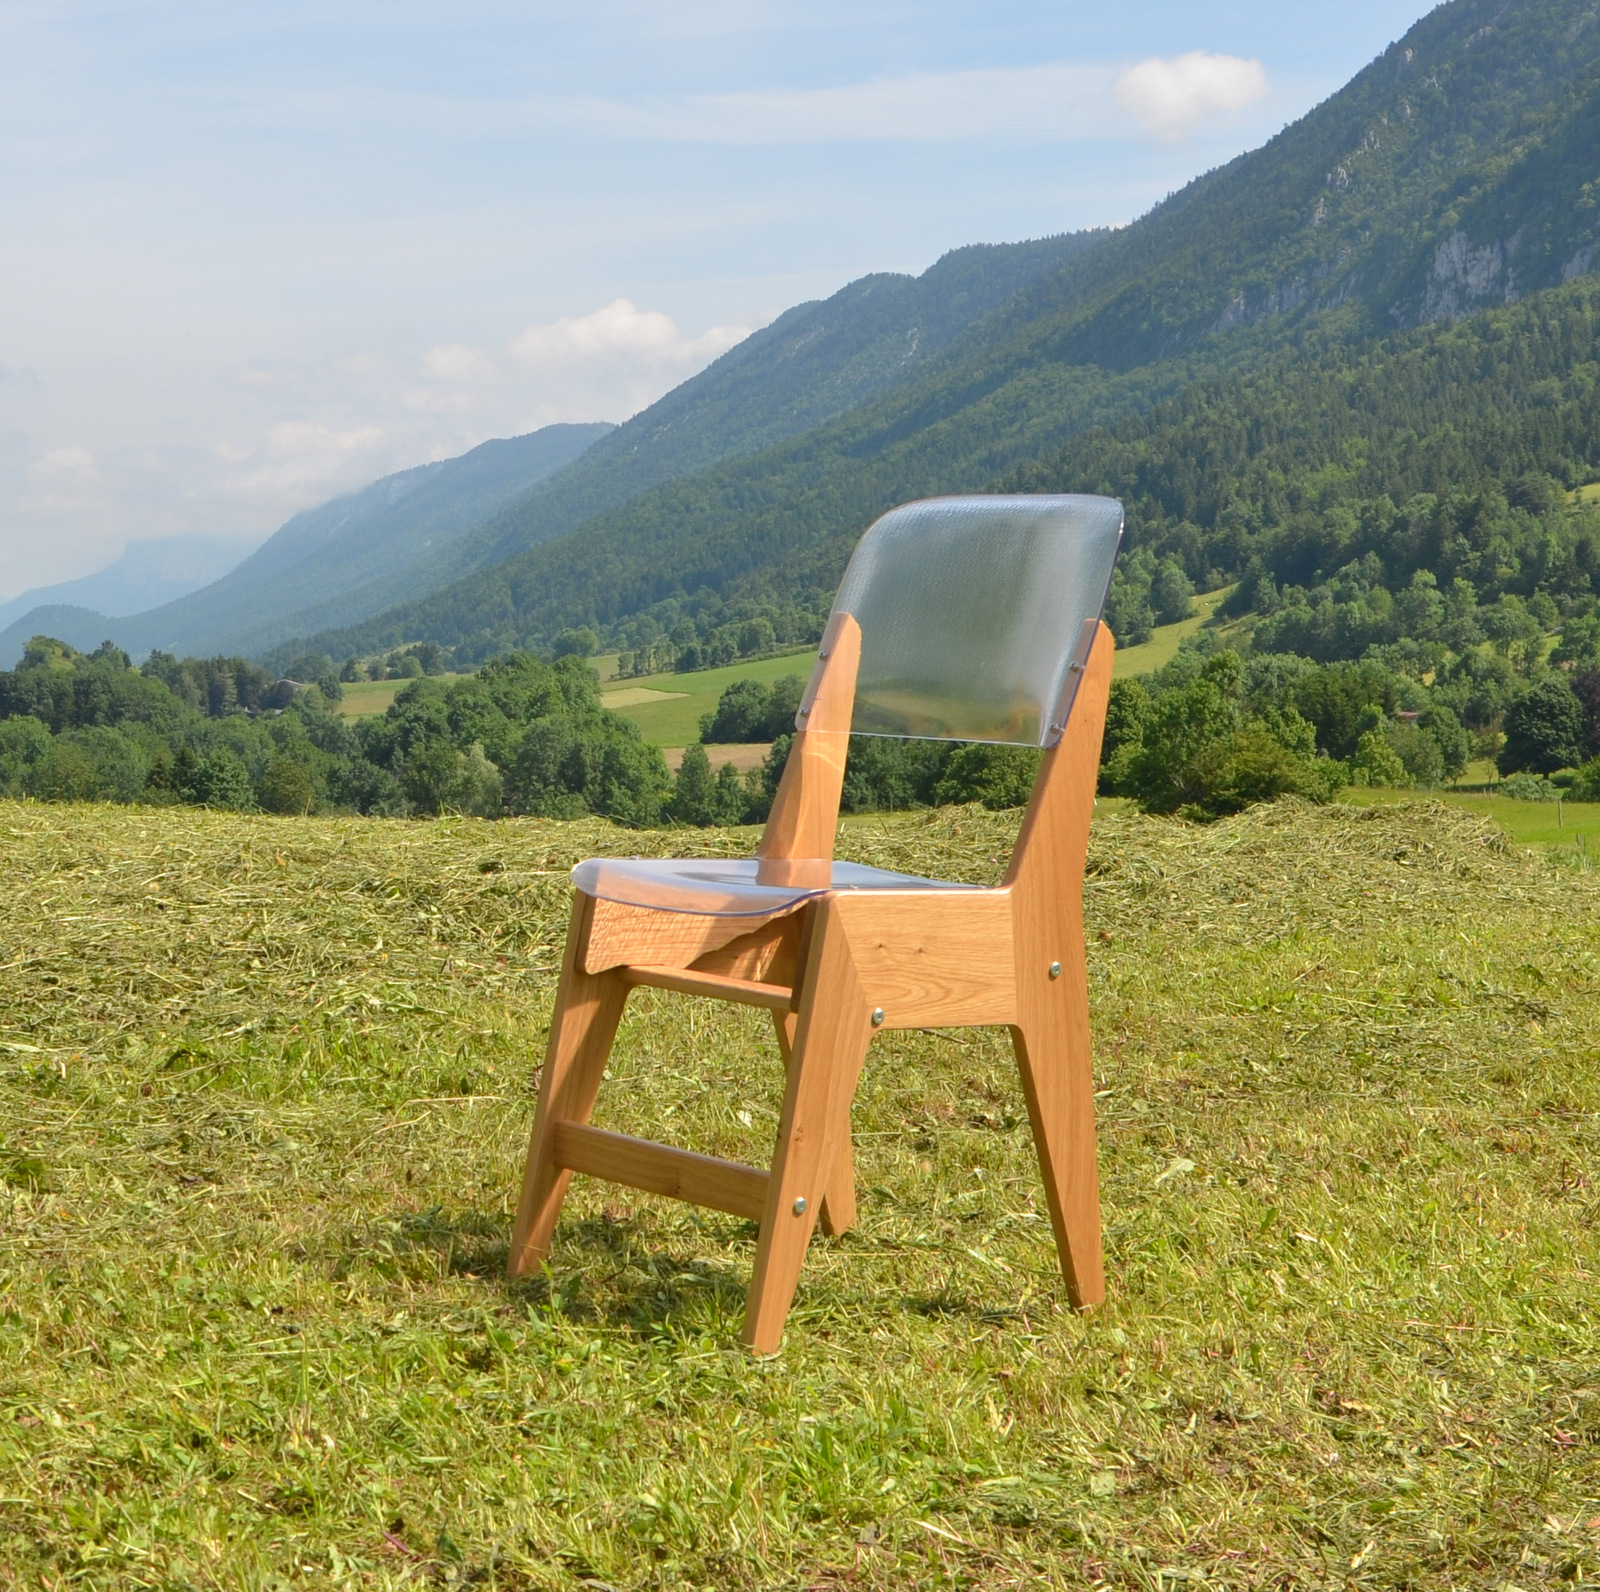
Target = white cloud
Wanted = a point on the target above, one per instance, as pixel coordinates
(606, 364)
(619, 331)
(302, 455)
(1170, 98)
(55, 464)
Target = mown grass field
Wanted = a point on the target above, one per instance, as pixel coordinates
(266, 1084)
(1569, 826)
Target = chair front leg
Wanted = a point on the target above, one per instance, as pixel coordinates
(838, 1213)
(831, 1038)
(582, 1027)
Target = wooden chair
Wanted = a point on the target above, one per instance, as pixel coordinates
(961, 619)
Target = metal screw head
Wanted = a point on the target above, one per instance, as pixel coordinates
(877, 1017)
(800, 1206)
(1055, 970)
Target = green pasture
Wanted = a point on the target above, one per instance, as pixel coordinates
(672, 718)
(265, 1088)
(364, 699)
(1162, 647)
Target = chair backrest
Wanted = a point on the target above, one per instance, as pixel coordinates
(977, 614)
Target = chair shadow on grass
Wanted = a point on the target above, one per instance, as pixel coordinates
(618, 1271)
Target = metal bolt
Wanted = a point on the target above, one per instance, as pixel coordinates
(877, 1017)
(800, 1206)
(1055, 970)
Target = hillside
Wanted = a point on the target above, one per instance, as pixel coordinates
(1453, 174)
(328, 565)
(267, 1084)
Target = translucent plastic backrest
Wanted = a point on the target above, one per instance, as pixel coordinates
(973, 614)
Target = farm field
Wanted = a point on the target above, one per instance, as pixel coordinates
(668, 707)
(365, 699)
(670, 715)
(266, 1085)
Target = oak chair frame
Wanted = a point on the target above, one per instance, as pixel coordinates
(835, 970)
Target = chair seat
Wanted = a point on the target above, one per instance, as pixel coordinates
(726, 887)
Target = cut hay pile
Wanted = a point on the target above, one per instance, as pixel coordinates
(265, 1087)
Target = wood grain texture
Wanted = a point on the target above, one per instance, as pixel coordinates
(798, 839)
(1051, 1031)
(931, 958)
(686, 981)
(830, 1041)
(661, 1169)
(616, 934)
(838, 1213)
(587, 1010)
(770, 954)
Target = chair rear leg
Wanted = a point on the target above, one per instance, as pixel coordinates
(838, 1213)
(831, 1038)
(582, 1027)
(1058, 1081)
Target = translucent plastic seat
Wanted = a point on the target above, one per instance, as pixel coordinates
(727, 886)
(972, 619)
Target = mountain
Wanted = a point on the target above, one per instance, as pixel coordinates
(148, 573)
(329, 565)
(815, 361)
(1454, 174)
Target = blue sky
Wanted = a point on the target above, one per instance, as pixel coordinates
(254, 255)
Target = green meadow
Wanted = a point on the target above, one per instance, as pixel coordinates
(1162, 647)
(266, 1085)
(668, 707)
(670, 714)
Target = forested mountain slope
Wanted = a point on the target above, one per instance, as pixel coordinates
(815, 361)
(328, 565)
(1456, 172)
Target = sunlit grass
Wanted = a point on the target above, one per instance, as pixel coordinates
(266, 1084)
(1162, 647)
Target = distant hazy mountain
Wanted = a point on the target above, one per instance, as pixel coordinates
(330, 565)
(148, 574)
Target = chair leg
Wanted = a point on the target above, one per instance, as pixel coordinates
(831, 1038)
(1058, 1082)
(838, 1213)
(582, 1027)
